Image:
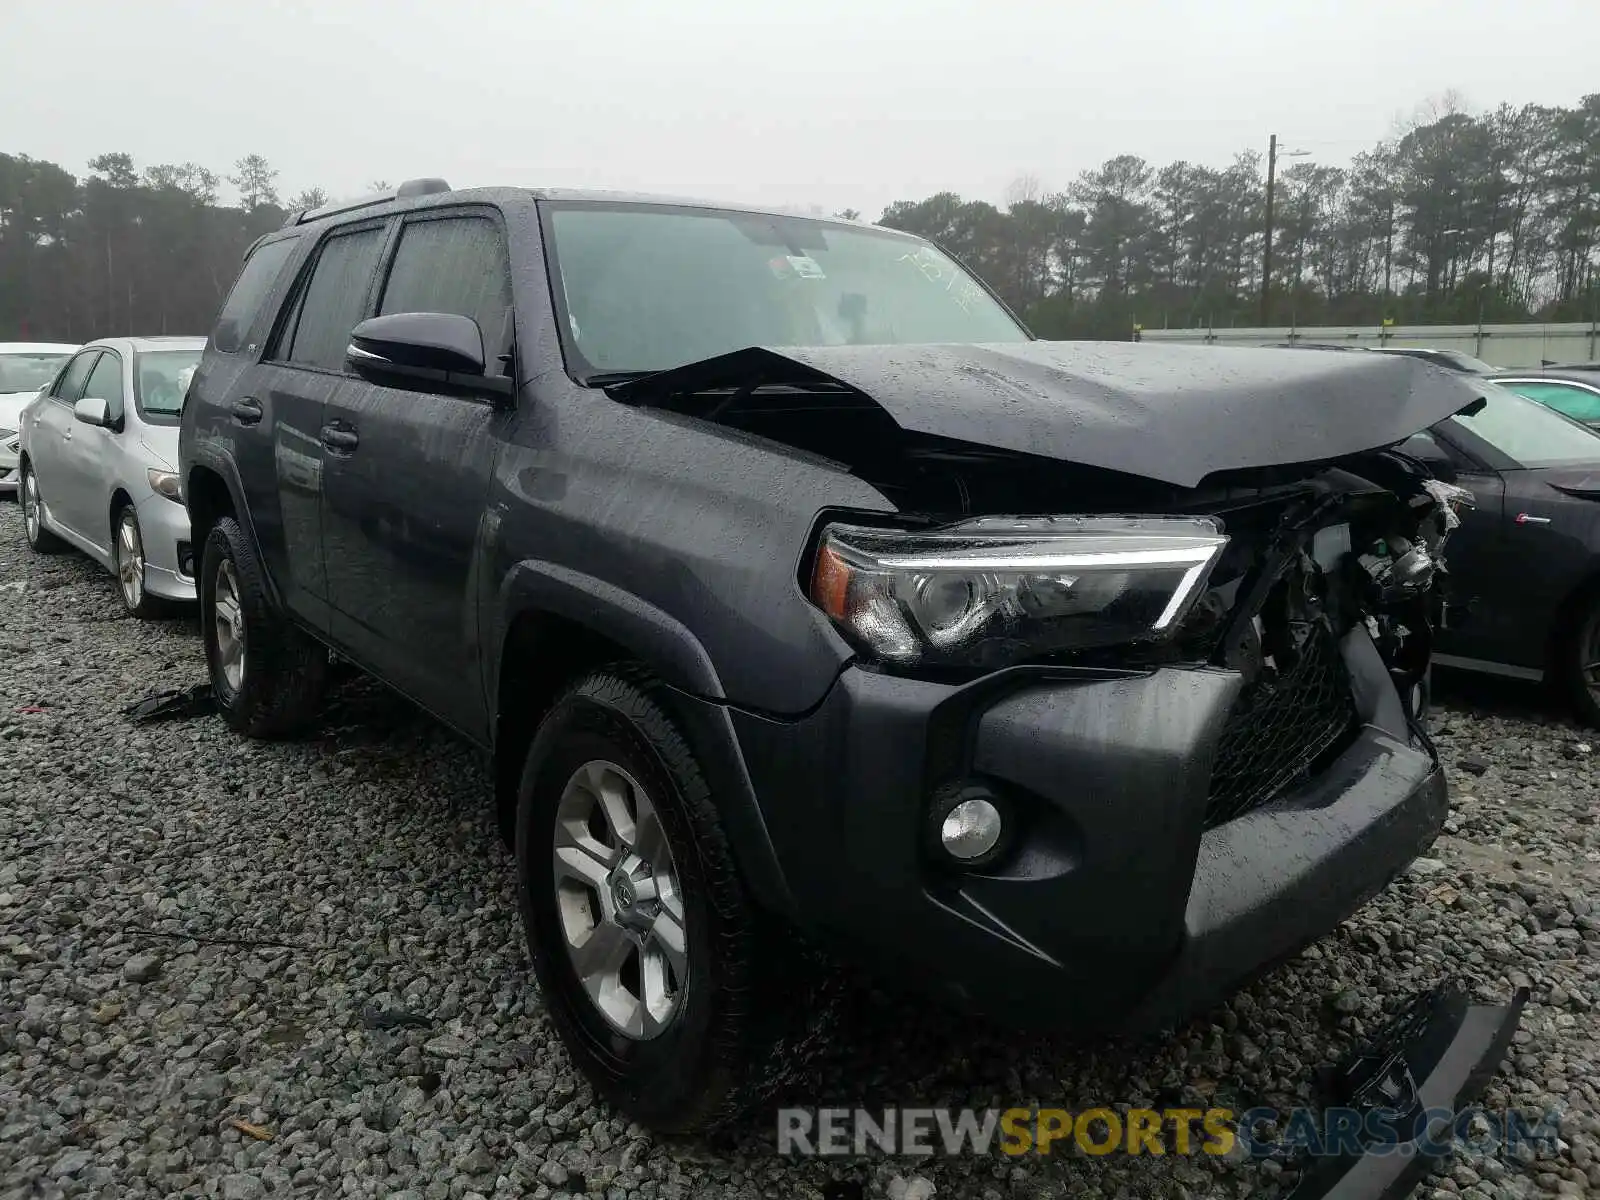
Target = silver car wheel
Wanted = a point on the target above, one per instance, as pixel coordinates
(229, 618)
(130, 559)
(30, 504)
(618, 900)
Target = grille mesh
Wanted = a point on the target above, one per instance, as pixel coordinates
(1280, 730)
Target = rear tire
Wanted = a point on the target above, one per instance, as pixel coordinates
(40, 539)
(267, 675)
(683, 1042)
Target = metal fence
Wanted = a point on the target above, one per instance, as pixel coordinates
(1501, 345)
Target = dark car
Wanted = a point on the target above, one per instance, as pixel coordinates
(1525, 563)
(1450, 360)
(1571, 391)
(805, 601)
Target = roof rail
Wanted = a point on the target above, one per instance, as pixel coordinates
(411, 187)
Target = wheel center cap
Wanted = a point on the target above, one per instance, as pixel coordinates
(622, 892)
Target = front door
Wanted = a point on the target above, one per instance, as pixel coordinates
(406, 478)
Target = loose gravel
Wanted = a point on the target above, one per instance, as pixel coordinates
(259, 970)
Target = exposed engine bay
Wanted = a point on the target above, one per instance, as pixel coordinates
(1313, 546)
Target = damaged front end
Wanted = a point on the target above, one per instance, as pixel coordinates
(1206, 556)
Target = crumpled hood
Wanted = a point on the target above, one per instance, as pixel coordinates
(1171, 413)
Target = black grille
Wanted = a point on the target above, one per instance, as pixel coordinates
(1281, 730)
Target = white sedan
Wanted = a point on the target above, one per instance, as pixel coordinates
(25, 367)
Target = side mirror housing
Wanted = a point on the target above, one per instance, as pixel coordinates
(425, 352)
(92, 412)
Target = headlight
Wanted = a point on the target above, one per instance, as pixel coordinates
(163, 482)
(987, 592)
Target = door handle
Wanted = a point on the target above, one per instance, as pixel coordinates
(341, 441)
(246, 410)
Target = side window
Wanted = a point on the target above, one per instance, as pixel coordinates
(256, 279)
(105, 383)
(69, 388)
(333, 301)
(454, 265)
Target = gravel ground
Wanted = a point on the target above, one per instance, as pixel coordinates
(204, 944)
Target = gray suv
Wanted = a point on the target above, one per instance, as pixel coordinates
(813, 610)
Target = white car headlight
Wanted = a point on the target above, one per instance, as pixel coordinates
(988, 592)
(164, 483)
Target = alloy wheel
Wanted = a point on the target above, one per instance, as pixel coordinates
(618, 900)
(30, 504)
(130, 559)
(228, 616)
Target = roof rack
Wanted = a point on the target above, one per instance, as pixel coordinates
(411, 187)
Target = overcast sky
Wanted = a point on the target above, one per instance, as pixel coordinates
(841, 104)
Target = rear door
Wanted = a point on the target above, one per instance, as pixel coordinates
(83, 496)
(303, 367)
(404, 492)
(225, 421)
(52, 423)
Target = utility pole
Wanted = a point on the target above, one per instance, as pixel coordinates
(1388, 249)
(1266, 249)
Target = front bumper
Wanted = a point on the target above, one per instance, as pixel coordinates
(164, 527)
(1119, 908)
(9, 460)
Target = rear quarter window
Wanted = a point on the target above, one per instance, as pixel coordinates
(256, 280)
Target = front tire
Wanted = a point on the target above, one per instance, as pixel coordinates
(127, 549)
(670, 991)
(267, 676)
(40, 539)
(1578, 661)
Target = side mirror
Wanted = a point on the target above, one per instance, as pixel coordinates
(1425, 448)
(92, 412)
(424, 352)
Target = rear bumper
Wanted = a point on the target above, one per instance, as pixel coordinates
(1118, 908)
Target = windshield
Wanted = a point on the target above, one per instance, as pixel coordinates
(648, 287)
(1528, 433)
(28, 371)
(160, 379)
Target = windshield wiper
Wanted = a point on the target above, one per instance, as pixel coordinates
(605, 379)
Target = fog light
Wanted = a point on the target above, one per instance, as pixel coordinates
(971, 829)
(969, 825)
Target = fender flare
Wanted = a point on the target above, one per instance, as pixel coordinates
(672, 652)
(222, 467)
(645, 631)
